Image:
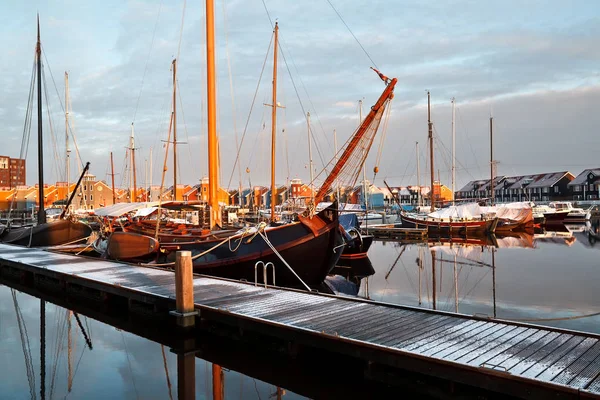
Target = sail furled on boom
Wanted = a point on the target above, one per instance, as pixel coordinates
(352, 156)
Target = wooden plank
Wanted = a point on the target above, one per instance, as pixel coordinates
(552, 357)
(579, 365)
(478, 359)
(465, 324)
(528, 349)
(467, 340)
(477, 346)
(429, 332)
(396, 318)
(594, 386)
(424, 328)
(455, 338)
(587, 375)
(414, 323)
(567, 360)
(539, 354)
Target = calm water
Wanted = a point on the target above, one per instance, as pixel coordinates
(551, 280)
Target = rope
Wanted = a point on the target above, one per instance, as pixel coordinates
(166, 370)
(147, 58)
(555, 319)
(237, 156)
(25, 345)
(281, 258)
(388, 111)
(349, 30)
(193, 258)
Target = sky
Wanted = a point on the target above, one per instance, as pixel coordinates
(532, 65)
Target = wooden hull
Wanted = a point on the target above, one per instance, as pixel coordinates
(49, 234)
(311, 247)
(128, 246)
(444, 227)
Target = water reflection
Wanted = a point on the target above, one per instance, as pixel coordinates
(49, 352)
(549, 277)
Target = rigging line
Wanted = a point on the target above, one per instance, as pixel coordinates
(237, 156)
(303, 110)
(268, 15)
(162, 347)
(62, 107)
(282, 43)
(349, 30)
(386, 121)
(51, 126)
(181, 30)
(233, 115)
(187, 137)
(137, 396)
(137, 104)
(26, 129)
(25, 345)
(62, 324)
(470, 143)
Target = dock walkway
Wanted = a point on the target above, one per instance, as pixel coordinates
(516, 359)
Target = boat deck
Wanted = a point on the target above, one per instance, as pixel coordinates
(516, 359)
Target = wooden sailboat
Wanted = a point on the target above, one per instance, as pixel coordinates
(45, 233)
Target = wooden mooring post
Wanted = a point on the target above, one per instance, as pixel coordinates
(184, 290)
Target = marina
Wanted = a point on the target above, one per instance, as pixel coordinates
(499, 355)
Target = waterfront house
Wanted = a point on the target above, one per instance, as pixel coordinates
(586, 186)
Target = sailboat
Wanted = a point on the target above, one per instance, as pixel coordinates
(302, 252)
(45, 233)
(462, 220)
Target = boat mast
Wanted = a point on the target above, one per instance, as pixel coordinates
(310, 164)
(68, 149)
(418, 178)
(132, 149)
(211, 107)
(336, 159)
(41, 217)
(112, 178)
(430, 136)
(453, 151)
(274, 124)
(150, 180)
(174, 130)
(491, 161)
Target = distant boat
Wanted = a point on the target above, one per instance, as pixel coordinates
(45, 233)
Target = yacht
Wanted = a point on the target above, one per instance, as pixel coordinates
(572, 214)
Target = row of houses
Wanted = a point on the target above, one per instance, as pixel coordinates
(550, 186)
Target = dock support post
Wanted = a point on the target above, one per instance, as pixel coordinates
(184, 290)
(186, 376)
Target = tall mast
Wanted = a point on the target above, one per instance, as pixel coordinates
(453, 150)
(133, 172)
(41, 217)
(174, 130)
(491, 160)
(112, 178)
(336, 159)
(274, 124)
(68, 148)
(150, 180)
(310, 164)
(430, 136)
(418, 178)
(211, 107)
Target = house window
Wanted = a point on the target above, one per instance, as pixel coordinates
(545, 189)
(84, 187)
(592, 187)
(91, 197)
(85, 198)
(556, 189)
(577, 188)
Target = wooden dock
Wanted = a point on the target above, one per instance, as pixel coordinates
(390, 231)
(514, 359)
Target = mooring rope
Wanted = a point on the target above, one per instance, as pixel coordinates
(266, 239)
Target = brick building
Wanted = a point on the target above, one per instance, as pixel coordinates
(12, 172)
